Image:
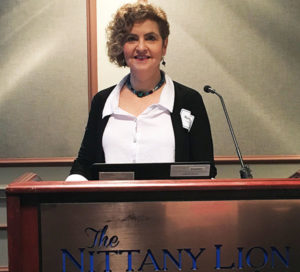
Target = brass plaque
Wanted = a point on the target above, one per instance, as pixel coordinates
(190, 170)
(247, 235)
(116, 175)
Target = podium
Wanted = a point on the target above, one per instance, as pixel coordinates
(153, 225)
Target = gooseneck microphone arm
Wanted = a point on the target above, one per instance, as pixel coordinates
(245, 172)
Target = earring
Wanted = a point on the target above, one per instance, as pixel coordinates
(163, 62)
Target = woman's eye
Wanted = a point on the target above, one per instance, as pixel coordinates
(151, 38)
(130, 39)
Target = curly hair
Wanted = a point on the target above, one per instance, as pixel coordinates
(122, 23)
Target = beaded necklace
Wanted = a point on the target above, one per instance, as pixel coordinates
(141, 94)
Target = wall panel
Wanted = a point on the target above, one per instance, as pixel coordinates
(44, 78)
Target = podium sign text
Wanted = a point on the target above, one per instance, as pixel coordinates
(235, 235)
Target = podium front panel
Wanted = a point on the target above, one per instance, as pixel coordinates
(217, 235)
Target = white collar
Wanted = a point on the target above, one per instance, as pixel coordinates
(166, 98)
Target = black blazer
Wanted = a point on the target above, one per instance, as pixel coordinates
(193, 145)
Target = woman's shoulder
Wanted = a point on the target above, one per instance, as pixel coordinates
(185, 91)
(102, 95)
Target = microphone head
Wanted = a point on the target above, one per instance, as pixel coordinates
(208, 89)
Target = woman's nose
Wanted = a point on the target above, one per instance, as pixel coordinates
(141, 46)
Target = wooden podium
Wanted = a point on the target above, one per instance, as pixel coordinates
(153, 225)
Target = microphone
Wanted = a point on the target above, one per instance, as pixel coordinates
(209, 89)
(245, 172)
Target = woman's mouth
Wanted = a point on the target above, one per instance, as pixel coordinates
(141, 57)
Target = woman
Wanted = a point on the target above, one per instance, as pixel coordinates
(147, 117)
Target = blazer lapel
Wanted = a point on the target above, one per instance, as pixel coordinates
(181, 134)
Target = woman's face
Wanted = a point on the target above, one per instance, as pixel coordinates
(144, 47)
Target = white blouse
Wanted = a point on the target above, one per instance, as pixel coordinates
(148, 137)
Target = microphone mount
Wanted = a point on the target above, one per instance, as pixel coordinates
(245, 171)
